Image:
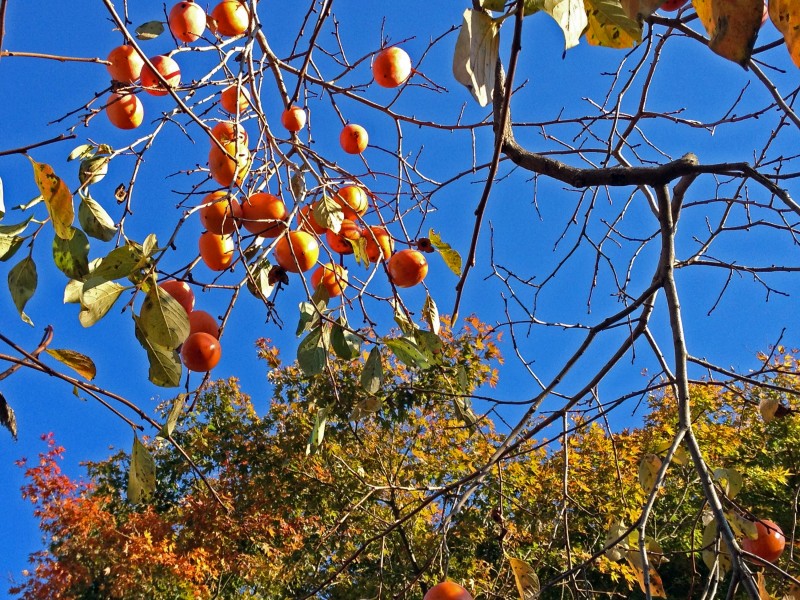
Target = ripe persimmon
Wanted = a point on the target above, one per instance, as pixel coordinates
(391, 67)
(201, 352)
(224, 169)
(353, 200)
(231, 18)
(293, 118)
(234, 99)
(216, 251)
(125, 111)
(770, 542)
(338, 242)
(307, 222)
(168, 69)
(673, 5)
(379, 243)
(447, 590)
(228, 131)
(264, 215)
(200, 320)
(219, 212)
(126, 64)
(187, 21)
(407, 268)
(181, 291)
(354, 139)
(297, 251)
(332, 276)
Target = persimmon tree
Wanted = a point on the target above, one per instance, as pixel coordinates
(313, 183)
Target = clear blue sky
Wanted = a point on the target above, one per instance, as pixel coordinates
(690, 79)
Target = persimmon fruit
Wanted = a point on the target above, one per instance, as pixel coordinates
(124, 111)
(168, 69)
(338, 242)
(297, 251)
(226, 170)
(353, 200)
(201, 352)
(407, 268)
(231, 18)
(216, 251)
(200, 320)
(227, 131)
(187, 21)
(673, 5)
(125, 64)
(219, 212)
(293, 118)
(307, 222)
(379, 243)
(354, 139)
(234, 99)
(332, 276)
(264, 215)
(447, 590)
(391, 67)
(181, 291)
(770, 542)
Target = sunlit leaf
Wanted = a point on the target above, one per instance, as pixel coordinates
(638, 10)
(120, 262)
(463, 406)
(9, 244)
(570, 16)
(328, 213)
(165, 363)
(475, 56)
(7, 417)
(648, 471)
(729, 480)
(785, 15)
(297, 185)
(71, 255)
(81, 152)
(308, 318)
(430, 313)
(172, 418)
(401, 318)
(57, 198)
(149, 31)
(93, 170)
(97, 298)
(408, 353)
(141, 474)
(317, 431)
(150, 245)
(430, 345)
(94, 220)
(15, 229)
(365, 407)
(80, 363)
(494, 5)
(715, 552)
(162, 318)
(732, 26)
(451, 258)
(2, 202)
(526, 579)
(610, 26)
(656, 584)
(258, 282)
(22, 281)
(73, 291)
(372, 373)
(741, 526)
(615, 531)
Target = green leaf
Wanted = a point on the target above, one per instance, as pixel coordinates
(311, 354)
(93, 170)
(71, 255)
(317, 432)
(430, 345)
(150, 245)
(308, 317)
(73, 291)
(165, 363)
(120, 262)
(9, 244)
(430, 313)
(570, 16)
(80, 363)
(401, 318)
(372, 373)
(57, 198)
(258, 283)
(408, 353)
(172, 418)
(142, 473)
(609, 25)
(475, 56)
(494, 5)
(462, 379)
(81, 152)
(451, 258)
(345, 343)
(94, 220)
(97, 298)
(150, 30)
(730, 481)
(22, 281)
(464, 411)
(7, 417)
(2, 203)
(162, 319)
(715, 551)
(15, 229)
(328, 213)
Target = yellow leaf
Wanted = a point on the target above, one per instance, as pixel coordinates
(57, 198)
(648, 471)
(475, 56)
(80, 363)
(656, 584)
(609, 25)
(525, 576)
(570, 16)
(763, 594)
(639, 10)
(785, 15)
(732, 26)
